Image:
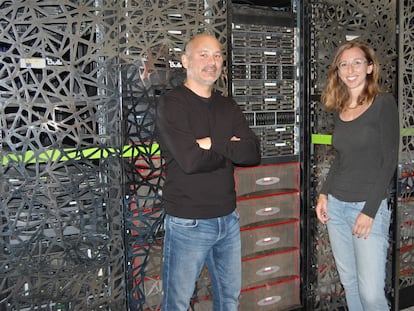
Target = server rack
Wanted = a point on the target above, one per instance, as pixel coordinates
(264, 81)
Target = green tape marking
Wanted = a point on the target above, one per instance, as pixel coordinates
(407, 131)
(53, 155)
(326, 139)
(321, 139)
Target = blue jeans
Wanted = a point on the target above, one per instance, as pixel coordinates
(361, 263)
(188, 244)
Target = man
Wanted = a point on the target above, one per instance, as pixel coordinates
(202, 135)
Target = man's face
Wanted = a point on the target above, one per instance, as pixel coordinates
(203, 60)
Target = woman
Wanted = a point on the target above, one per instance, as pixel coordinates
(352, 201)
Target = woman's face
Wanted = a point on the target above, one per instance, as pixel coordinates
(353, 67)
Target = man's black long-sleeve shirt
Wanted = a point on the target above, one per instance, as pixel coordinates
(199, 183)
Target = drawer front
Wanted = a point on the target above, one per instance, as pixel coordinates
(281, 296)
(266, 179)
(149, 171)
(260, 270)
(269, 238)
(267, 209)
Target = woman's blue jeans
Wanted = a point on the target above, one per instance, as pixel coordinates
(361, 263)
(188, 244)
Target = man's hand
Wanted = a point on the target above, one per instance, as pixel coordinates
(204, 143)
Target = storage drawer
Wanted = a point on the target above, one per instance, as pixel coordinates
(271, 237)
(266, 179)
(264, 268)
(281, 295)
(149, 171)
(265, 209)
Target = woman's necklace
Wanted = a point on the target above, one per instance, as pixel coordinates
(351, 113)
(354, 107)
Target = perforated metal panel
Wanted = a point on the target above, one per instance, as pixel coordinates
(81, 176)
(406, 168)
(151, 43)
(333, 22)
(60, 214)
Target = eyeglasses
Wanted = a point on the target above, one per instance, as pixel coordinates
(356, 63)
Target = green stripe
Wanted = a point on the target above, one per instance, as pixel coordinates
(407, 131)
(321, 139)
(128, 151)
(325, 139)
(30, 157)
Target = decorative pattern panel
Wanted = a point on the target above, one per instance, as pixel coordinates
(331, 23)
(406, 169)
(152, 39)
(61, 232)
(81, 177)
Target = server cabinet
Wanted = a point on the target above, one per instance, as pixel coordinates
(60, 210)
(330, 23)
(264, 81)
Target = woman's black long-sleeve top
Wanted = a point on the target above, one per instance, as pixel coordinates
(200, 183)
(366, 155)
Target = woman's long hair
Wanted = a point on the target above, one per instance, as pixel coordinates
(336, 95)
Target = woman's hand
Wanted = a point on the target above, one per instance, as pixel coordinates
(322, 209)
(363, 225)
